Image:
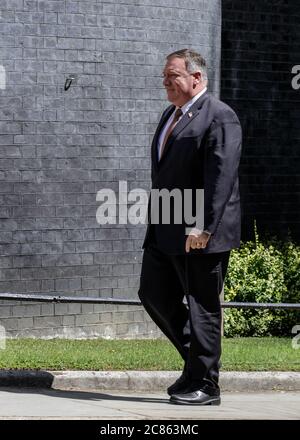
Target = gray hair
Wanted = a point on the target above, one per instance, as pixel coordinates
(194, 62)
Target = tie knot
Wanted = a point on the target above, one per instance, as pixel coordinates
(178, 113)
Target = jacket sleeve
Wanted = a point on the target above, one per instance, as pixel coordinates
(221, 161)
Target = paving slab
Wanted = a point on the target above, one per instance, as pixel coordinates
(35, 404)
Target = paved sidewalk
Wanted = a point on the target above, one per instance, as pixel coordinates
(140, 395)
(111, 405)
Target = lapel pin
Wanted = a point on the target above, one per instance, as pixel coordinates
(190, 114)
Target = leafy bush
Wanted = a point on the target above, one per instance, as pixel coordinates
(262, 272)
(291, 263)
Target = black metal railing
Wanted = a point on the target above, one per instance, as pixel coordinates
(93, 300)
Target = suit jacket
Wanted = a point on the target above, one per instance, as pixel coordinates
(202, 152)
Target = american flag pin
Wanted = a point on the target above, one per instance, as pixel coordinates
(190, 114)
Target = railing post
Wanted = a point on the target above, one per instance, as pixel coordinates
(222, 311)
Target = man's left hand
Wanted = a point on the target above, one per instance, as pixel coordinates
(196, 241)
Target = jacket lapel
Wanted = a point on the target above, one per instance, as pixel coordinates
(184, 121)
(162, 122)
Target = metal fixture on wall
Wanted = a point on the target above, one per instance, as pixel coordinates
(69, 80)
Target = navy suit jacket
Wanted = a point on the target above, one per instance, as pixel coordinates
(202, 152)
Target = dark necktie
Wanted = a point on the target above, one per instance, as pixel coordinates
(177, 115)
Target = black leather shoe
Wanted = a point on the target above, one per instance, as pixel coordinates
(197, 397)
(180, 386)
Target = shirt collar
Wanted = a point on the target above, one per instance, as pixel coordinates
(189, 104)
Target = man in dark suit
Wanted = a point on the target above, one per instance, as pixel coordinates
(197, 145)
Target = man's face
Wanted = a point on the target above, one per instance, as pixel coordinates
(180, 85)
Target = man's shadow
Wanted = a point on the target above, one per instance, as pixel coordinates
(24, 382)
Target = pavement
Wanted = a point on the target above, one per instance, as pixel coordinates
(141, 395)
(50, 404)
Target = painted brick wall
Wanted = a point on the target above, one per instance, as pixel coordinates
(58, 148)
(260, 45)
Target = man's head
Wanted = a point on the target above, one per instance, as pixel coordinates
(184, 76)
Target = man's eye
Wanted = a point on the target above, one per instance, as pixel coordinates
(172, 76)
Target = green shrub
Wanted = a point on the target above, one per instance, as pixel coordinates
(262, 272)
(291, 263)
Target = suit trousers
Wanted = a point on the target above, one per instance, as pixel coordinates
(181, 293)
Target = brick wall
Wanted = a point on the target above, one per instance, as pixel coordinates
(260, 45)
(58, 148)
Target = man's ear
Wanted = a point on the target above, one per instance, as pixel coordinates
(197, 78)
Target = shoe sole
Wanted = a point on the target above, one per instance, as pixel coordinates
(212, 402)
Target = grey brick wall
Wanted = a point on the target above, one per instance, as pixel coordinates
(58, 148)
